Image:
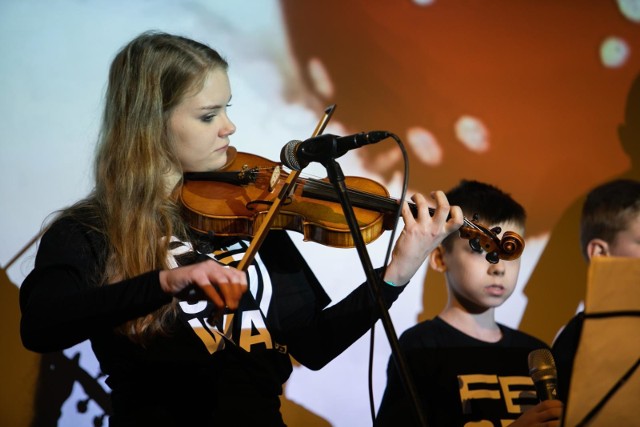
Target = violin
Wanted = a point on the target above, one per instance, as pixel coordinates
(234, 201)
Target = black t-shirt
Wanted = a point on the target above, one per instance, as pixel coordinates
(564, 350)
(230, 373)
(459, 379)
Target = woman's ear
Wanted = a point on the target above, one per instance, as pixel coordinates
(436, 259)
(597, 247)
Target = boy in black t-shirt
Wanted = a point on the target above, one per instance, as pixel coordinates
(468, 369)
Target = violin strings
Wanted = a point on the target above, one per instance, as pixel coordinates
(362, 197)
(384, 201)
(325, 188)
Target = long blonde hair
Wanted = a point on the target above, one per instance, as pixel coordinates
(135, 156)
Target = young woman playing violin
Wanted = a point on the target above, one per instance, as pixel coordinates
(184, 338)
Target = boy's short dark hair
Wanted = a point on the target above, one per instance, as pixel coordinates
(607, 211)
(491, 204)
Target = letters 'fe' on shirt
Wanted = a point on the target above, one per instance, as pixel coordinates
(461, 380)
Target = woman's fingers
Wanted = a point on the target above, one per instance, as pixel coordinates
(450, 216)
(232, 284)
(421, 235)
(222, 285)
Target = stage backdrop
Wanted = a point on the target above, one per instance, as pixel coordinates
(526, 95)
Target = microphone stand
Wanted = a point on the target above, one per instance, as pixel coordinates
(336, 177)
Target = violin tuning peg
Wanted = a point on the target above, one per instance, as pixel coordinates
(475, 245)
(476, 217)
(496, 230)
(492, 257)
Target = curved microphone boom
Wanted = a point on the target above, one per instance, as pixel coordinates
(542, 369)
(297, 155)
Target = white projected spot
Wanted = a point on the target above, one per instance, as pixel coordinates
(614, 52)
(424, 2)
(320, 78)
(630, 9)
(472, 133)
(385, 161)
(424, 145)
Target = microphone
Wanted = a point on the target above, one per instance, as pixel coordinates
(542, 369)
(297, 155)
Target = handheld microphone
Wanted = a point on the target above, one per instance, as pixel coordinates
(542, 369)
(297, 155)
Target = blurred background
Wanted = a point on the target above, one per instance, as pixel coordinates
(525, 95)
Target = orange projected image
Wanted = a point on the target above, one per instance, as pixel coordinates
(525, 95)
(503, 86)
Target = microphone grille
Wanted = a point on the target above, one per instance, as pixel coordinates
(542, 365)
(288, 155)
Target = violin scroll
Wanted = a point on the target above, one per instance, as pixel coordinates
(480, 238)
(511, 246)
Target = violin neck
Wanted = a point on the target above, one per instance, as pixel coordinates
(360, 199)
(323, 190)
(414, 211)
